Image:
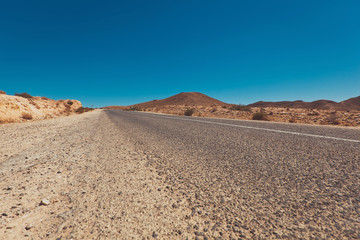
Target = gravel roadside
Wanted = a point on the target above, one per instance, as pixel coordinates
(76, 178)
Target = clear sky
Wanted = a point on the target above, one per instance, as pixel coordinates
(125, 52)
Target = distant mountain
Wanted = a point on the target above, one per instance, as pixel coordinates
(350, 104)
(184, 98)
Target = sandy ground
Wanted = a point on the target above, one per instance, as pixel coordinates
(96, 185)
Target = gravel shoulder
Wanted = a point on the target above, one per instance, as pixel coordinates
(97, 185)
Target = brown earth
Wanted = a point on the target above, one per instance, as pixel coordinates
(347, 105)
(290, 115)
(20, 109)
(184, 98)
(322, 112)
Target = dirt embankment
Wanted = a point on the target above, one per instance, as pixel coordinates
(20, 109)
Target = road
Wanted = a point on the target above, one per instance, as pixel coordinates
(257, 178)
(112, 174)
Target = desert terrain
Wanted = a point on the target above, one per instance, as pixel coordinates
(26, 107)
(110, 174)
(323, 112)
(133, 174)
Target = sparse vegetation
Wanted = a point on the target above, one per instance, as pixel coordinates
(70, 102)
(83, 109)
(259, 116)
(31, 101)
(313, 113)
(240, 108)
(189, 111)
(7, 120)
(292, 120)
(24, 95)
(332, 119)
(26, 116)
(134, 108)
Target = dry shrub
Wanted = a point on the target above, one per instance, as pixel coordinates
(7, 120)
(26, 116)
(292, 120)
(332, 119)
(24, 95)
(2, 92)
(189, 112)
(313, 113)
(47, 116)
(240, 108)
(32, 102)
(83, 109)
(259, 116)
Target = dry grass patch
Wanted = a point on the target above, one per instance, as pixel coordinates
(26, 116)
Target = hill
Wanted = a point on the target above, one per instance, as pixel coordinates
(347, 105)
(184, 98)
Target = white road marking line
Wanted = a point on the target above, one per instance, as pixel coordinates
(264, 129)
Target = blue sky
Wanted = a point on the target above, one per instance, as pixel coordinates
(124, 52)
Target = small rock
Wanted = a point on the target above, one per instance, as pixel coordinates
(199, 233)
(4, 214)
(175, 205)
(45, 202)
(28, 227)
(9, 188)
(154, 235)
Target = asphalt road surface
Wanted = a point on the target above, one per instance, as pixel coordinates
(250, 179)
